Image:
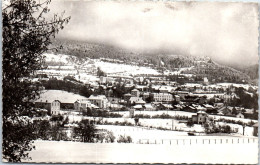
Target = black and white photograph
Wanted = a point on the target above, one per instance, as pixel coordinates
(123, 81)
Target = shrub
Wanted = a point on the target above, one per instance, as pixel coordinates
(101, 136)
(108, 136)
(142, 116)
(236, 122)
(115, 115)
(125, 123)
(167, 116)
(213, 128)
(163, 116)
(190, 123)
(124, 139)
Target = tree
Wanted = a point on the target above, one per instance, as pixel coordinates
(26, 35)
(86, 131)
(149, 99)
(136, 121)
(234, 111)
(41, 127)
(100, 72)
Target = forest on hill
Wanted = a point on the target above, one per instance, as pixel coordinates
(199, 66)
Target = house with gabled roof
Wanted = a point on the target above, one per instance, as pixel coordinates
(99, 100)
(134, 100)
(83, 104)
(226, 111)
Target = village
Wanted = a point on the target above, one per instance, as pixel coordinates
(130, 82)
(125, 97)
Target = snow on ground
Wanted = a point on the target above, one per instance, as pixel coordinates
(111, 68)
(209, 95)
(182, 113)
(164, 123)
(245, 86)
(58, 72)
(174, 124)
(144, 134)
(63, 96)
(84, 77)
(180, 71)
(153, 113)
(57, 58)
(76, 152)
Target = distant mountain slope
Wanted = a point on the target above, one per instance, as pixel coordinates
(201, 66)
(252, 71)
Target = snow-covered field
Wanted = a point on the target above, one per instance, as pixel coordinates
(76, 152)
(164, 123)
(143, 135)
(245, 86)
(183, 113)
(58, 72)
(111, 68)
(57, 58)
(63, 96)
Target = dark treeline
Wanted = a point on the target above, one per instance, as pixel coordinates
(68, 86)
(117, 90)
(245, 99)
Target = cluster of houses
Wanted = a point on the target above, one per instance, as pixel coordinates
(148, 92)
(154, 97)
(59, 107)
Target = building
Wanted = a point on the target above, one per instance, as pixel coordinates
(134, 100)
(149, 107)
(227, 111)
(162, 97)
(146, 95)
(205, 81)
(240, 115)
(177, 98)
(80, 105)
(219, 105)
(189, 108)
(135, 92)
(66, 99)
(200, 118)
(182, 94)
(55, 107)
(163, 89)
(114, 100)
(127, 96)
(99, 100)
(140, 102)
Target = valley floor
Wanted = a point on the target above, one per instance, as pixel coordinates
(76, 152)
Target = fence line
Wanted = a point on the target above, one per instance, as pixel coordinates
(199, 141)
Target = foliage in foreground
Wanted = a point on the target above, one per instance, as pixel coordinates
(26, 35)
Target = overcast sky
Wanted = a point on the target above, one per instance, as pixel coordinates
(226, 32)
